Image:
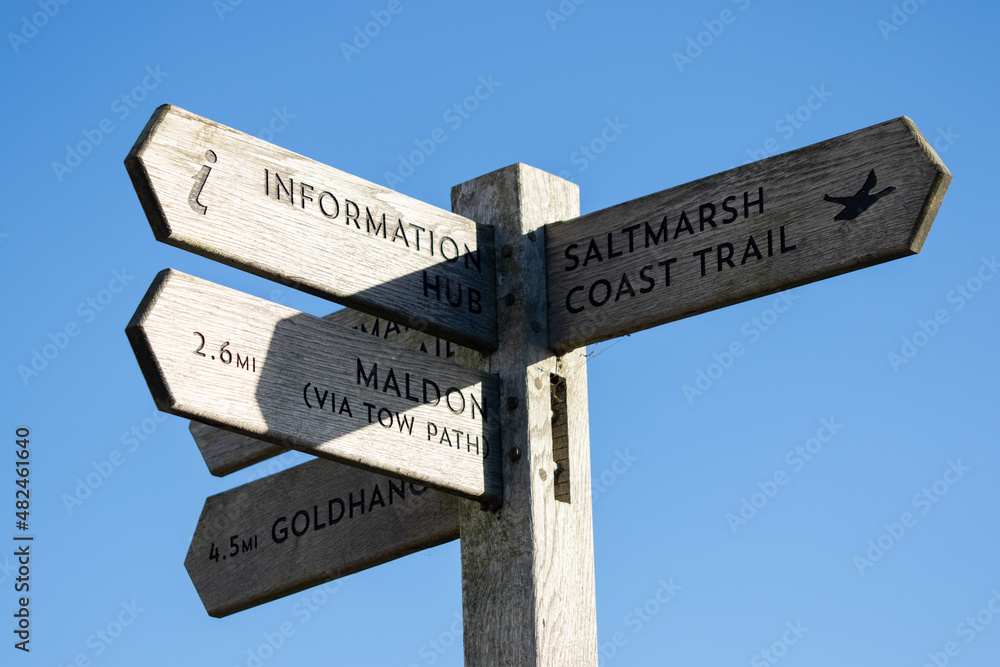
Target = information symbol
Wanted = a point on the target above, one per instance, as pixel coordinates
(199, 183)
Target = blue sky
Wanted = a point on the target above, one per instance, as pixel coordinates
(691, 89)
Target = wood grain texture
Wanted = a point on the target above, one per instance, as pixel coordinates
(298, 528)
(240, 200)
(617, 271)
(226, 452)
(304, 383)
(528, 569)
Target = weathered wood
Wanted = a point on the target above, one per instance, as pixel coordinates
(528, 569)
(226, 452)
(239, 362)
(240, 200)
(820, 211)
(306, 526)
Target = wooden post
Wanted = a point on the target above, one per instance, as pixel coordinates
(528, 568)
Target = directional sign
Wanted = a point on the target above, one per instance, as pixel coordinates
(833, 207)
(242, 363)
(226, 452)
(235, 198)
(308, 525)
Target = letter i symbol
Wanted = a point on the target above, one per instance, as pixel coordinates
(199, 183)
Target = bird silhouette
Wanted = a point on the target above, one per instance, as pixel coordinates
(860, 202)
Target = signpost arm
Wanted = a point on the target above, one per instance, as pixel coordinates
(528, 568)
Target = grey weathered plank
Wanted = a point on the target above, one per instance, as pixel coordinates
(528, 569)
(226, 452)
(300, 530)
(240, 200)
(308, 384)
(608, 276)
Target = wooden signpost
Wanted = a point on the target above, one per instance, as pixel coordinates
(556, 282)
(230, 359)
(308, 525)
(238, 199)
(528, 593)
(826, 209)
(226, 452)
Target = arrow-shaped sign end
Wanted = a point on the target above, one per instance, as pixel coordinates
(936, 191)
(143, 349)
(136, 167)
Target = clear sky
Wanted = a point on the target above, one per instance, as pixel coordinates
(625, 99)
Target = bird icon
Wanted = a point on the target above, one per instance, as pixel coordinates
(858, 203)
